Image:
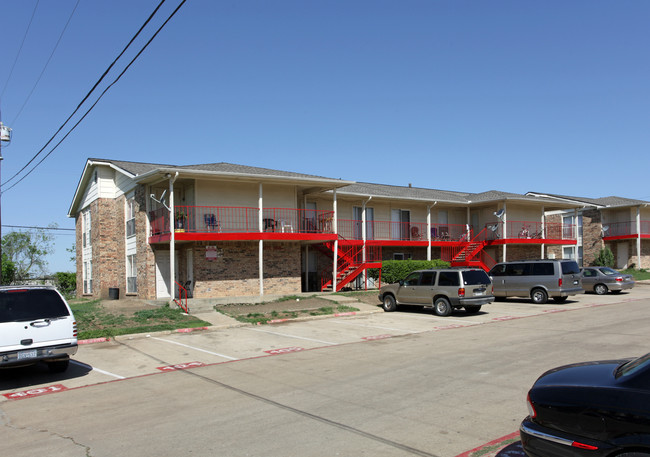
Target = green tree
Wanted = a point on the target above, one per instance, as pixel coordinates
(605, 258)
(66, 283)
(28, 251)
(8, 270)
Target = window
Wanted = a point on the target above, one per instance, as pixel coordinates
(543, 269)
(428, 278)
(412, 279)
(88, 277)
(85, 227)
(130, 217)
(448, 278)
(401, 256)
(131, 275)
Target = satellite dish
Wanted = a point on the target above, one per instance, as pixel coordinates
(494, 227)
(605, 228)
(160, 200)
(500, 213)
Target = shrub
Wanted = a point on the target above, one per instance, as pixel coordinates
(605, 258)
(394, 270)
(66, 283)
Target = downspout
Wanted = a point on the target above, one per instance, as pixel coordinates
(505, 230)
(429, 229)
(336, 242)
(638, 237)
(172, 238)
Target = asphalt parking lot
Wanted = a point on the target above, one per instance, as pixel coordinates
(308, 360)
(146, 354)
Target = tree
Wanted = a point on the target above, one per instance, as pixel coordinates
(28, 251)
(605, 258)
(8, 270)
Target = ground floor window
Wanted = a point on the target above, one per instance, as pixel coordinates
(573, 252)
(131, 275)
(401, 256)
(88, 277)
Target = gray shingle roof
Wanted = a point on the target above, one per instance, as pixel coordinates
(608, 202)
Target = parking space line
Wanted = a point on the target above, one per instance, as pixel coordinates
(346, 322)
(107, 373)
(292, 336)
(195, 348)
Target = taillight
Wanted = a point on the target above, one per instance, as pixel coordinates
(461, 292)
(74, 329)
(619, 279)
(559, 282)
(584, 446)
(531, 409)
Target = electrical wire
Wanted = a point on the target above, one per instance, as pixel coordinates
(88, 94)
(100, 97)
(19, 49)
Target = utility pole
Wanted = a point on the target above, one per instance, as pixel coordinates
(5, 137)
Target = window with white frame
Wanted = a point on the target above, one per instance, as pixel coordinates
(88, 277)
(130, 217)
(131, 275)
(85, 228)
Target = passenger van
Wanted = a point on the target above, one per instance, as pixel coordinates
(537, 280)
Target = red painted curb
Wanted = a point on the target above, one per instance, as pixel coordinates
(189, 330)
(491, 443)
(93, 340)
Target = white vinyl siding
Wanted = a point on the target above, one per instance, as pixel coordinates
(131, 275)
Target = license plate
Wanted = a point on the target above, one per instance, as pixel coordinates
(479, 292)
(24, 355)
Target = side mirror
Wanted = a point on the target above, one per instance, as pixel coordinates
(401, 282)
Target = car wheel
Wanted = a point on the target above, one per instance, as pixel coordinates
(442, 307)
(600, 289)
(389, 303)
(59, 366)
(559, 299)
(472, 309)
(539, 296)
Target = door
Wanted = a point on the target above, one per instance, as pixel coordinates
(409, 289)
(162, 274)
(400, 222)
(622, 256)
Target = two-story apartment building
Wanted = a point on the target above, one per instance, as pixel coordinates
(213, 230)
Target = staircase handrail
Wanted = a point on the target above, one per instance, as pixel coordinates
(181, 301)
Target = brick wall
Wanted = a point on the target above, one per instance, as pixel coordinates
(592, 240)
(235, 271)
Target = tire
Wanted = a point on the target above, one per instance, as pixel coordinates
(59, 366)
(560, 299)
(472, 309)
(539, 296)
(389, 303)
(600, 289)
(442, 307)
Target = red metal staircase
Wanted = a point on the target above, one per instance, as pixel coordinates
(350, 264)
(470, 253)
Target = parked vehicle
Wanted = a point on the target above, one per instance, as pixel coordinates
(604, 279)
(36, 324)
(594, 409)
(442, 289)
(537, 280)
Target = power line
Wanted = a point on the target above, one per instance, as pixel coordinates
(20, 49)
(89, 93)
(46, 63)
(38, 228)
(96, 101)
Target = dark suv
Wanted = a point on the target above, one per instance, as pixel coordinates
(442, 289)
(36, 324)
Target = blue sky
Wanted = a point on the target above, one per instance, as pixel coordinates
(470, 96)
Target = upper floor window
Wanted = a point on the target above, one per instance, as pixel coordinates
(85, 227)
(130, 217)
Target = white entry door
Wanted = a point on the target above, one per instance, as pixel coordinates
(162, 274)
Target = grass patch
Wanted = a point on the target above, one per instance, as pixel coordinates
(639, 275)
(264, 318)
(94, 321)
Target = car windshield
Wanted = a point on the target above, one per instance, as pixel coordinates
(475, 277)
(608, 271)
(633, 366)
(18, 305)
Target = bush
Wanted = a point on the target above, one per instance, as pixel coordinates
(66, 283)
(394, 270)
(605, 258)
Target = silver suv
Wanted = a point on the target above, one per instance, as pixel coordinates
(537, 279)
(442, 289)
(36, 324)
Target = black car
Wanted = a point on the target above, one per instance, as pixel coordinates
(593, 409)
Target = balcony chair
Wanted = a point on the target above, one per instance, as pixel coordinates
(211, 222)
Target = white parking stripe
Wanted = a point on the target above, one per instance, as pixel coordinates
(347, 322)
(291, 336)
(196, 349)
(108, 373)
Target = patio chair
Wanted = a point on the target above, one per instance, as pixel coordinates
(415, 233)
(210, 221)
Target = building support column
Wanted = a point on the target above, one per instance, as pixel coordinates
(543, 233)
(336, 242)
(638, 238)
(172, 238)
(504, 220)
(260, 222)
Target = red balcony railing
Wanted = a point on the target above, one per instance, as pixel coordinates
(232, 219)
(530, 230)
(401, 231)
(625, 228)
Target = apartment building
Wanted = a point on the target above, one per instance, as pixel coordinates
(212, 230)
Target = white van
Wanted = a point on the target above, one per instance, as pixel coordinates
(537, 280)
(36, 324)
